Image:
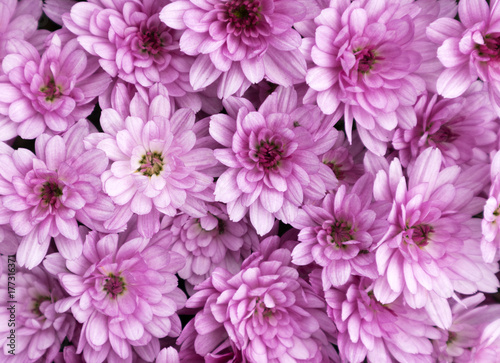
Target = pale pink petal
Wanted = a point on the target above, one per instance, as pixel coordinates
(473, 11)
(203, 72)
(453, 82)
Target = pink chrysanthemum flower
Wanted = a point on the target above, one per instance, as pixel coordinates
(453, 126)
(272, 158)
(239, 42)
(47, 193)
(469, 321)
(268, 312)
(211, 241)
(339, 234)
(469, 49)
(131, 42)
(375, 331)
(430, 220)
(123, 292)
(366, 59)
(490, 242)
(53, 91)
(156, 166)
(38, 330)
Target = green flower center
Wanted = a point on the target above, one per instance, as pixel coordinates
(51, 90)
(339, 232)
(151, 164)
(419, 234)
(50, 193)
(269, 153)
(151, 42)
(36, 304)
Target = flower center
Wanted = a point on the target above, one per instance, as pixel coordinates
(420, 234)
(366, 59)
(151, 164)
(36, 304)
(150, 41)
(51, 90)
(340, 232)
(269, 153)
(261, 309)
(220, 229)
(452, 336)
(243, 13)
(114, 285)
(491, 46)
(50, 193)
(336, 168)
(444, 134)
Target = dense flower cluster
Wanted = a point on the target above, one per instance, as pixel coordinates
(250, 181)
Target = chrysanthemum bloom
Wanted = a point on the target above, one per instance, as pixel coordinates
(124, 294)
(211, 241)
(366, 57)
(375, 331)
(156, 166)
(469, 321)
(272, 158)
(455, 127)
(430, 221)
(53, 91)
(338, 235)
(38, 329)
(132, 43)
(266, 310)
(239, 42)
(19, 21)
(469, 49)
(47, 193)
(490, 242)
